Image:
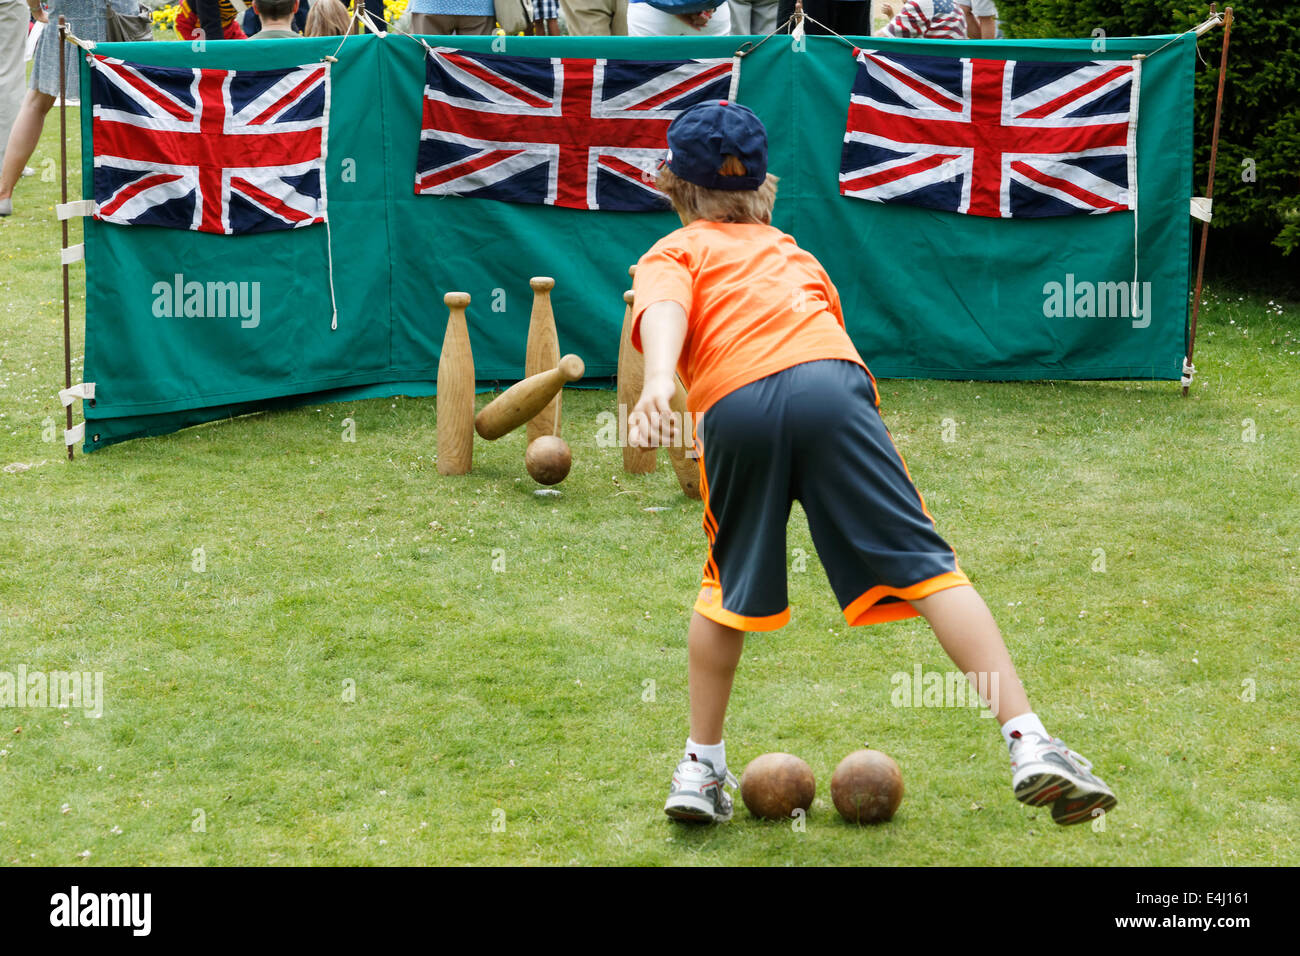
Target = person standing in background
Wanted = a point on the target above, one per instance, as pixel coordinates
(925, 19)
(705, 18)
(985, 14)
(850, 18)
(253, 24)
(451, 17)
(87, 19)
(546, 18)
(972, 25)
(754, 17)
(596, 18)
(13, 43)
(277, 17)
(328, 18)
(188, 23)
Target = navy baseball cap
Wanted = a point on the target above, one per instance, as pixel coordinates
(702, 135)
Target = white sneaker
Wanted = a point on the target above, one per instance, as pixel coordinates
(28, 171)
(1045, 771)
(697, 793)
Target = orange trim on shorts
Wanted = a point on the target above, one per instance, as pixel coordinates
(865, 610)
(709, 604)
(709, 522)
(876, 389)
(902, 461)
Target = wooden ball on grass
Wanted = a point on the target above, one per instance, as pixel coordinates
(548, 459)
(867, 787)
(774, 785)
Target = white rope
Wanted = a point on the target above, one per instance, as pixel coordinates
(376, 27)
(749, 46)
(400, 32)
(829, 30)
(334, 57)
(1216, 19)
(1188, 371)
(1133, 287)
(1135, 97)
(329, 255)
(87, 45)
(1200, 29)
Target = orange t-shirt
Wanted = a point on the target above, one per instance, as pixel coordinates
(755, 304)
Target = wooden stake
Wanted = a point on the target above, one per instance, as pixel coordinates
(1209, 188)
(63, 162)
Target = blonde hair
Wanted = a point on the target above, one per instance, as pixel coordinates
(719, 205)
(327, 18)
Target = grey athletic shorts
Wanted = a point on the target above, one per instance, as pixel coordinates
(812, 433)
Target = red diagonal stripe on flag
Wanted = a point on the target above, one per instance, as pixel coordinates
(947, 102)
(482, 161)
(519, 92)
(627, 169)
(272, 203)
(895, 172)
(271, 111)
(1052, 106)
(171, 106)
(1065, 186)
(708, 76)
(130, 192)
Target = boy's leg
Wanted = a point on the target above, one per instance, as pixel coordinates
(714, 653)
(1043, 771)
(885, 561)
(698, 787)
(967, 632)
(745, 490)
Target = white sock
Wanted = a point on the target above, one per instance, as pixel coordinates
(1026, 724)
(715, 754)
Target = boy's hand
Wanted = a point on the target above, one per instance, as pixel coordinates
(652, 423)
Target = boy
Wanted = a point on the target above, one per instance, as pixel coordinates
(786, 409)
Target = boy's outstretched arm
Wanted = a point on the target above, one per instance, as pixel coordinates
(663, 331)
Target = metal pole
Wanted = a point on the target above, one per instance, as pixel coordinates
(63, 160)
(1209, 189)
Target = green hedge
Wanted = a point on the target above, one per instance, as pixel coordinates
(1261, 103)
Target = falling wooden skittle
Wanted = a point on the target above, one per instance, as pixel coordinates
(543, 354)
(456, 392)
(631, 378)
(523, 400)
(687, 468)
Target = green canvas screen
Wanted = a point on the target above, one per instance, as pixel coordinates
(926, 294)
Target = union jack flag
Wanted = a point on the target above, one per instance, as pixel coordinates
(1003, 138)
(586, 134)
(225, 151)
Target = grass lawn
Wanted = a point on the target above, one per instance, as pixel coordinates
(378, 665)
